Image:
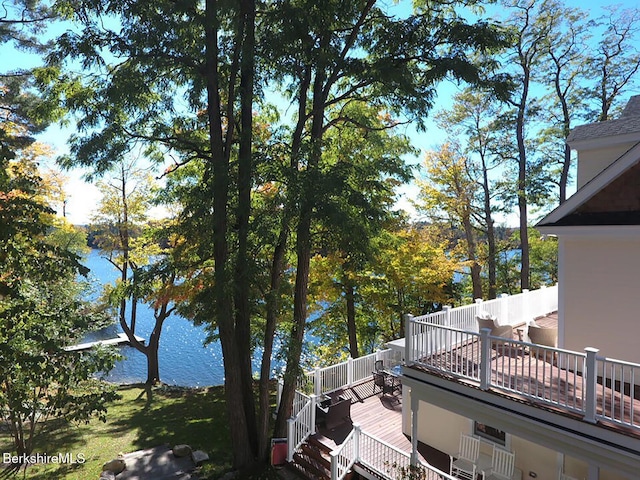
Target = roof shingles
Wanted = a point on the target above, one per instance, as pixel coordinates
(629, 122)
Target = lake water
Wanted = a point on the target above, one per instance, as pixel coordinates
(184, 360)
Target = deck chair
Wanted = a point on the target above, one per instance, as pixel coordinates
(545, 337)
(464, 466)
(378, 366)
(502, 465)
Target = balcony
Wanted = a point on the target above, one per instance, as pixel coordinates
(577, 403)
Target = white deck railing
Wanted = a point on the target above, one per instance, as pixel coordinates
(379, 457)
(618, 391)
(391, 462)
(301, 424)
(598, 388)
(509, 309)
(350, 372)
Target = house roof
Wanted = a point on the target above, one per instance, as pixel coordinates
(626, 128)
(613, 196)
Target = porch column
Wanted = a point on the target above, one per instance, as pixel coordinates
(408, 338)
(593, 473)
(415, 402)
(591, 379)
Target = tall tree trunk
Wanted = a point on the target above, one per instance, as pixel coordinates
(522, 180)
(349, 294)
(240, 436)
(491, 234)
(272, 305)
(303, 247)
(242, 270)
(476, 281)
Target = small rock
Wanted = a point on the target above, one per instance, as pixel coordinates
(117, 465)
(199, 457)
(182, 450)
(107, 475)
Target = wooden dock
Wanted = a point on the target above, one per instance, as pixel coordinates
(121, 339)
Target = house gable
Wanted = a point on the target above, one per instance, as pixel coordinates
(609, 166)
(611, 198)
(618, 203)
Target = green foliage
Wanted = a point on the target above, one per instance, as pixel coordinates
(41, 313)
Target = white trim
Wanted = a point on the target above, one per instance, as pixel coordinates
(603, 142)
(590, 230)
(595, 185)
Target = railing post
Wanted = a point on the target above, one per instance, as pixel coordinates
(447, 315)
(478, 302)
(415, 406)
(334, 464)
(317, 382)
(504, 308)
(312, 414)
(591, 378)
(408, 338)
(356, 442)
(485, 359)
(349, 372)
(290, 439)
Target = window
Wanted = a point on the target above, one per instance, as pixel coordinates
(489, 433)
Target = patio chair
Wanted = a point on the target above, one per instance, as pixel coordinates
(464, 466)
(378, 366)
(502, 465)
(505, 331)
(385, 383)
(545, 337)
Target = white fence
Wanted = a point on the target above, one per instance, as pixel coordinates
(509, 309)
(350, 372)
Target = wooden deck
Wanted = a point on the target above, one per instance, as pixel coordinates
(521, 371)
(381, 416)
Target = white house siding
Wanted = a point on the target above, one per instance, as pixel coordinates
(441, 429)
(601, 290)
(594, 161)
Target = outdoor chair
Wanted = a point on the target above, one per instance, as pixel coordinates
(502, 465)
(505, 331)
(379, 366)
(464, 466)
(385, 383)
(502, 331)
(545, 337)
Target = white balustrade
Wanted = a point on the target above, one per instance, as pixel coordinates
(300, 426)
(598, 388)
(617, 391)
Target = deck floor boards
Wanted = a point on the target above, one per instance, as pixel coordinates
(380, 416)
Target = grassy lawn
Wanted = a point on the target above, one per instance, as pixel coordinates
(167, 416)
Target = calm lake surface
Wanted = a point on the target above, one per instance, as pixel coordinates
(184, 360)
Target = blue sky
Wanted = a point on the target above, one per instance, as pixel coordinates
(83, 197)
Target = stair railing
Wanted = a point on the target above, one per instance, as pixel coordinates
(346, 455)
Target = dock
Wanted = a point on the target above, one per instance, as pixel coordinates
(121, 339)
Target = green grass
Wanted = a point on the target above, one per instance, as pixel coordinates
(139, 420)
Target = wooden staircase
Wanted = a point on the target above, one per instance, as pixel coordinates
(312, 460)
